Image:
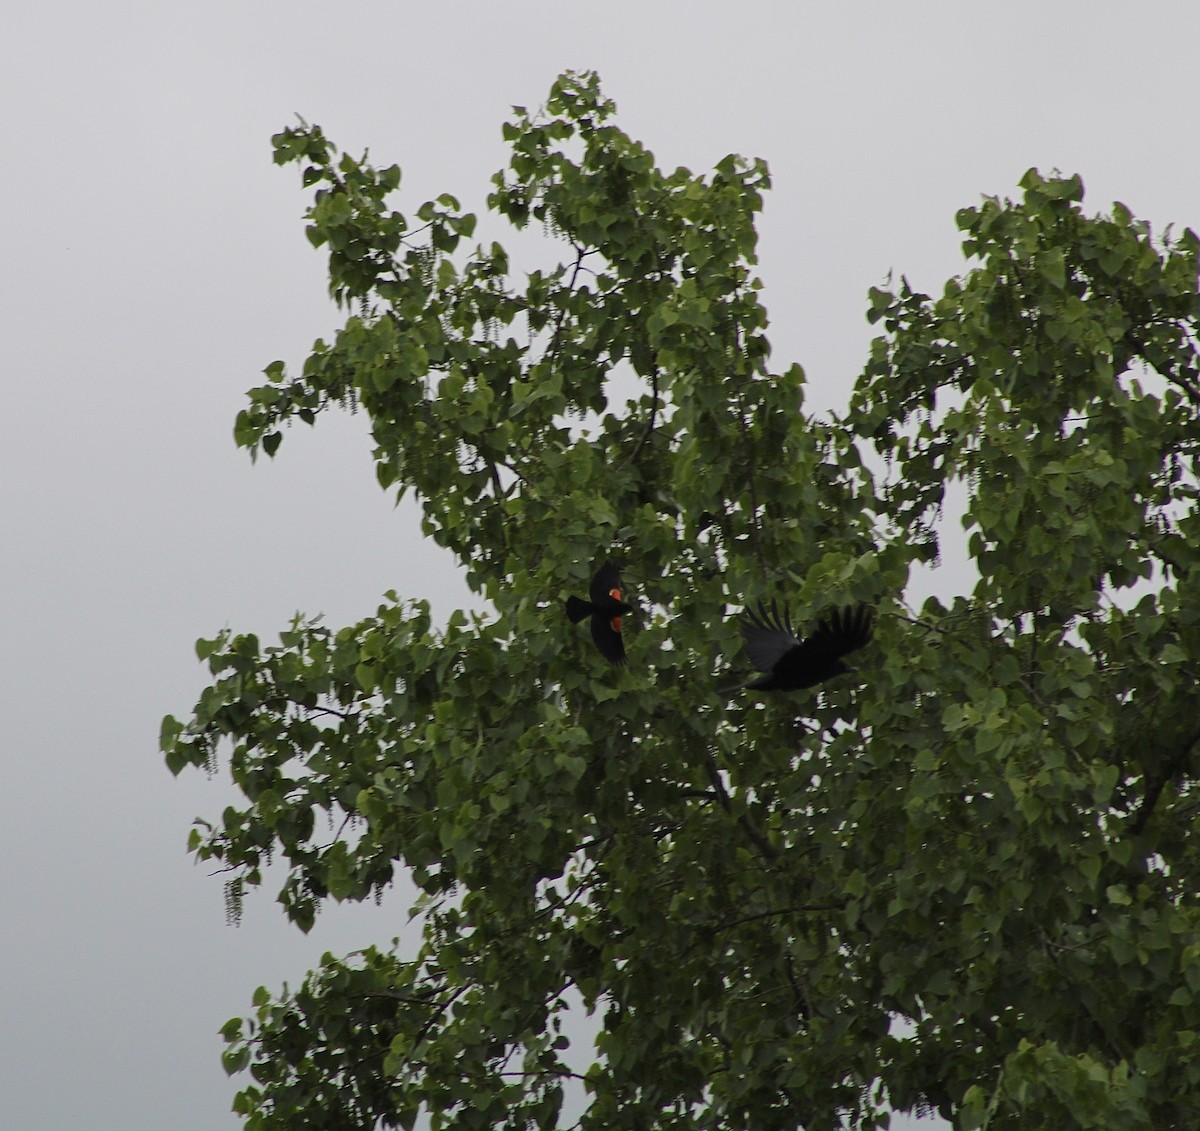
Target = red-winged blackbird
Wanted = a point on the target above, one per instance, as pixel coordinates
(792, 663)
(605, 609)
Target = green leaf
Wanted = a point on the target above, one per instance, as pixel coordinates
(235, 1060)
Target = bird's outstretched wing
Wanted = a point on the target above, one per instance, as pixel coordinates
(606, 579)
(838, 633)
(769, 636)
(608, 639)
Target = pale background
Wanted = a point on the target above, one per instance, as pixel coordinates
(153, 262)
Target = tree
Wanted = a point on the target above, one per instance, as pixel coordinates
(963, 878)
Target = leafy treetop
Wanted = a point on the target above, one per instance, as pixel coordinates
(965, 880)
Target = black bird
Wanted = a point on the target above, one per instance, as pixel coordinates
(605, 608)
(792, 663)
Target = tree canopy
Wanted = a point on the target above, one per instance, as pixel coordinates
(963, 878)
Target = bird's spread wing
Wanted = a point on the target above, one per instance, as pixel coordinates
(768, 635)
(838, 633)
(607, 578)
(608, 640)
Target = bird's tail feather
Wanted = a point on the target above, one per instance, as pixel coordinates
(577, 609)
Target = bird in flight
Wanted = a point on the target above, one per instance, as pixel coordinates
(791, 663)
(605, 607)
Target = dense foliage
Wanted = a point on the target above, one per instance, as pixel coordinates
(963, 879)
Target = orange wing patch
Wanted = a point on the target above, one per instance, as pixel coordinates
(615, 594)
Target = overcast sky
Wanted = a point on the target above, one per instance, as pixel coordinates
(153, 262)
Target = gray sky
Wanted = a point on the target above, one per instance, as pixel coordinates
(153, 262)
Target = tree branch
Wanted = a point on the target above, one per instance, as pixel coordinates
(751, 829)
(650, 425)
(1154, 790)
